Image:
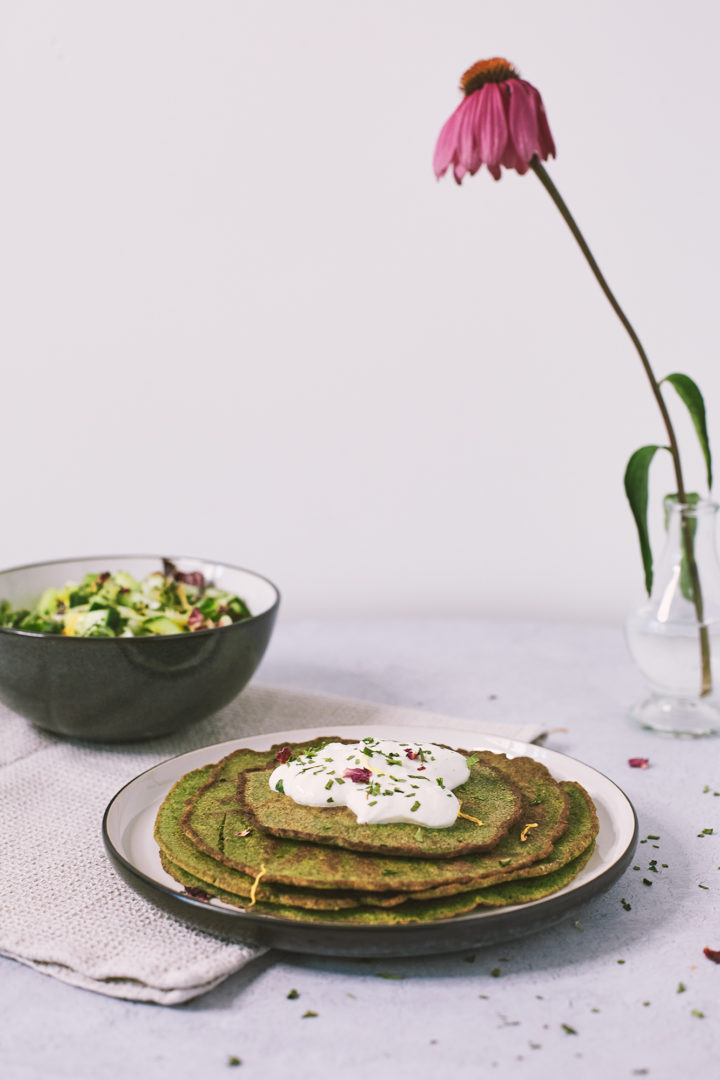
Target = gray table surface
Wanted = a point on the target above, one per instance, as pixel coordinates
(598, 995)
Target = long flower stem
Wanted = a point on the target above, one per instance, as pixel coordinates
(546, 181)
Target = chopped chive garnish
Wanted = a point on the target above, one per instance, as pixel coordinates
(415, 806)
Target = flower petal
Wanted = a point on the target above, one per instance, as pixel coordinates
(523, 120)
(547, 143)
(468, 150)
(545, 147)
(491, 128)
(446, 146)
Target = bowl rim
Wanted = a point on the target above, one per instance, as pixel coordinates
(150, 637)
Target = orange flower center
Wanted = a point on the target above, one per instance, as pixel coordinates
(485, 71)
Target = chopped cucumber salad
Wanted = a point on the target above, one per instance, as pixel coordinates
(116, 605)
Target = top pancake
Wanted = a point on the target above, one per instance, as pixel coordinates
(488, 796)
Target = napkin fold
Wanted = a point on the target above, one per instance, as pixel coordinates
(66, 912)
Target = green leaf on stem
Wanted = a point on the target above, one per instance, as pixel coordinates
(636, 489)
(693, 399)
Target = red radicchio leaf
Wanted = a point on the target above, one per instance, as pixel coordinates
(412, 754)
(358, 776)
(421, 768)
(283, 755)
(192, 577)
(712, 954)
(195, 619)
(638, 762)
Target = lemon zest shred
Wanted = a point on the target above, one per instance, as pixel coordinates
(261, 873)
(468, 817)
(524, 833)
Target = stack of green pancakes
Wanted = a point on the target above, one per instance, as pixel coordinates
(223, 833)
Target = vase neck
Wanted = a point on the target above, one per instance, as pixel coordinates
(696, 523)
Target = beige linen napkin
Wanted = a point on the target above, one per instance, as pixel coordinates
(63, 908)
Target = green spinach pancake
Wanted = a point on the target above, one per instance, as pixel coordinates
(213, 835)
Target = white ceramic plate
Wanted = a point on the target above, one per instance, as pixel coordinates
(128, 834)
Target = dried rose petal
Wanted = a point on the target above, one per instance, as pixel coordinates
(283, 755)
(196, 893)
(412, 754)
(358, 776)
(638, 762)
(421, 768)
(712, 954)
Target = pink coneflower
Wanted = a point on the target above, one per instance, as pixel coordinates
(500, 121)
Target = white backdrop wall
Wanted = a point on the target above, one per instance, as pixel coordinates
(241, 319)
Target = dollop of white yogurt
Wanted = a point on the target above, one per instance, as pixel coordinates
(382, 781)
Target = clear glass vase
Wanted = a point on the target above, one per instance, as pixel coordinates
(674, 637)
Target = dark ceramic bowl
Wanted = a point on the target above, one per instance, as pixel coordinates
(122, 689)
